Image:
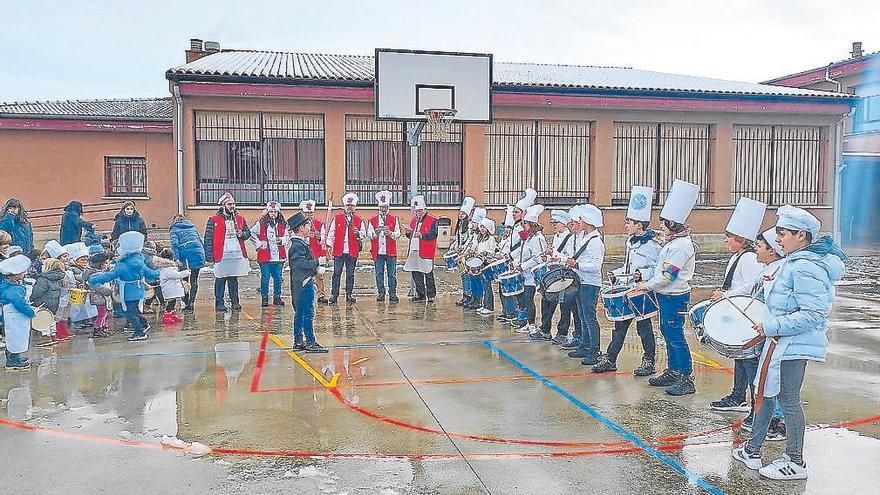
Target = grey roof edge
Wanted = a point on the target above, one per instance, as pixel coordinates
(19, 109)
(821, 67)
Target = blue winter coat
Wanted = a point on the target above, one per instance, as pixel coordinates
(801, 297)
(72, 223)
(186, 244)
(130, 270)
(14, 294)
(22, 235)
(125, 223)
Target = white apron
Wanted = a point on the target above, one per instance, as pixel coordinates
(414, 262)
(233, 264)
(18, 330)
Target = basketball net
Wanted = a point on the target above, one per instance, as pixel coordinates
(439, 121)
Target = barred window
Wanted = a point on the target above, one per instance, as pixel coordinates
(779, 164)
(655, 154)
(125, 176)
(552, 157)
(259, 157)
(377, 157)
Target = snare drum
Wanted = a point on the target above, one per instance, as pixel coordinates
(496, 268)
(460, 261)
(474, 264)
(560, 281)
(43, 321)
(149, 292)
(449, 260)
(76, 297)
(616, 303)
(511, 283)
(644, 305)
(728, 331)
(695, 316)
(539, 271)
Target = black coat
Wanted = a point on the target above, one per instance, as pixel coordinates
(47, 290)
(303, 265)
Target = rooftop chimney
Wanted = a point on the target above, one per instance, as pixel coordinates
(856, 49)
(196, 50)
(212, 46)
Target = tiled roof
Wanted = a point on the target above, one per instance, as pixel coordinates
(152, 109)
(288, 67)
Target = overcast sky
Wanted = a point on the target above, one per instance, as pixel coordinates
(102, 49)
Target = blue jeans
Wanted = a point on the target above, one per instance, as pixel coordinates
(304, 315)
(508, 304)
(588, 296)
(744, 372)
(792, 378)
(488, 295)
(133, 315)
(678, 354)
(339, 262)
(526, 306)
(272, 269)
(385, 263)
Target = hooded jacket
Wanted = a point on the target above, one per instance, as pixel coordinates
(186, 244)
(124, 223)
(47, 289)
(801, 298)
(14, 294)
(130, 270)
(18, 227)
(72, 223)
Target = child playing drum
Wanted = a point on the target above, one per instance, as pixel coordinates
(671, 283)
(799, 298)
(739, 278)
(642, 249)
(485, 248)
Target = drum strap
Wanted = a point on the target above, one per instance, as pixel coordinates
(728, 277)
(565, 241)
(583, 248)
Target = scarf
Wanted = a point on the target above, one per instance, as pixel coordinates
(826, 245)
(641, 240)
(675, 235)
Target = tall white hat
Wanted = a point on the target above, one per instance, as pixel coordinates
(54, 248)
(640, 199)
(508, 216)
(527, 199)
(273, 206)
(418, 203)
(746, 219)
(592, 215)
(479, 215)
(467, 204)
(383, 198)
(350, 199)
(307, 205)
(226, 196)
(681, 200)
(77, 250)
(533, 212)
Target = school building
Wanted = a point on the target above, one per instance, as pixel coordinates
(290, 126)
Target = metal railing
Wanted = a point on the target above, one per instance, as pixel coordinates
(259, 157)
(377, 158)
(655, 154)
(779, 164)
(48, 219)
(552, 157)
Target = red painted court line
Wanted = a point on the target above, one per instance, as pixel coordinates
(261, 357)
(438, 457)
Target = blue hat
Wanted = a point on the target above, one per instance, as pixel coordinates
(793, 218)
(95, 249)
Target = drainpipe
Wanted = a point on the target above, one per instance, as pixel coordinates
(178, 138)
(838, 162)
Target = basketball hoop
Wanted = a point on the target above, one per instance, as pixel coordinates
(440, 120)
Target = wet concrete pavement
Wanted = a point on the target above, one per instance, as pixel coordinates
(412, 398)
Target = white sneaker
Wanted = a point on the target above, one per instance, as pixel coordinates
(752, 461)
(783, 469)
(485, 312)
(523, 329)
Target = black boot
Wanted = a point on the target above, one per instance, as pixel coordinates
(604, 366)
(683, 385)
(646, 369)
(278, 301)
(665, 379)
(264, 303)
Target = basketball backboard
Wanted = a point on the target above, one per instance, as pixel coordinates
(410, 81)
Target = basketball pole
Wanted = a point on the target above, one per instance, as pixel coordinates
(412, 138)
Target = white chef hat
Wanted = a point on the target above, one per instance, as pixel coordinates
(746, 219)
(226, 196)
(592, 215)
(467, 204)
(479, 215)
(533, 213)
(489, 224)
(350, 199)
(527, 199)
(769, 236)
(130, 242)
(273, 206)
(681, 200)
(307, 205)
(640, 200)
(418, 203)
(15, 265)
(383, 198)
(54, 248)
(560, 216)
(794, 218)
(508, 216)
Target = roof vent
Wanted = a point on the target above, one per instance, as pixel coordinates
(856, 49)
(212, 46)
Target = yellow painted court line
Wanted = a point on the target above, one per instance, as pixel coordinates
(704, 360)
(403, 349)
(306, 366)
(361, 360)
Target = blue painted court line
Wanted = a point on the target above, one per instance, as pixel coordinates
(691, 477)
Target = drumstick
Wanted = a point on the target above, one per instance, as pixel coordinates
(772, 275)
